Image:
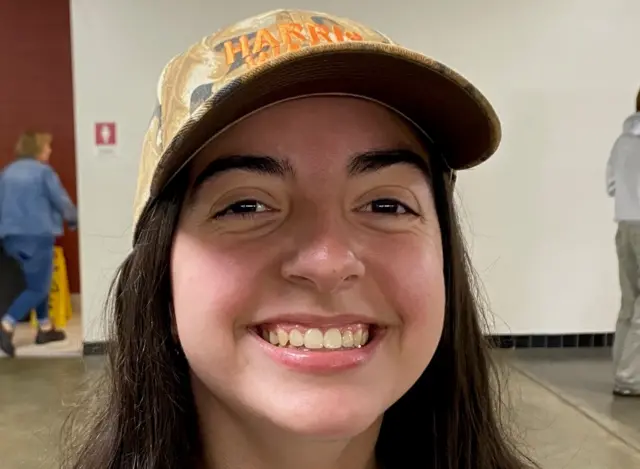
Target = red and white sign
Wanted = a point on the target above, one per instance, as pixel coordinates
(106, 134)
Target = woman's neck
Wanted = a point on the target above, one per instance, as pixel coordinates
(230, 442)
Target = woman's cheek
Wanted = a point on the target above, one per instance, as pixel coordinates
(422, 297)
(412, 277)
(210, 288)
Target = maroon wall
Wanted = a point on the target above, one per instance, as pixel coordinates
(36, 91)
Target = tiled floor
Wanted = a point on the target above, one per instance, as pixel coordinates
(36, 394)
(35, 398)
(583, 378)
(561, 437)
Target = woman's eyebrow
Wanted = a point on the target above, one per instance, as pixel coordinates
(253, 163)
(359, 164)
(375, 160)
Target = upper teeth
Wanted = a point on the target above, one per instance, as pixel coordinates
(313, 338)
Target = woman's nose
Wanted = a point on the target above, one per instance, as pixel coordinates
(327, 263)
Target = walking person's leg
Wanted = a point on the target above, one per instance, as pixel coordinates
(628, 272)
(628, 365)
(22, 249)
(35, 255)
(42, 314)
(46, 332)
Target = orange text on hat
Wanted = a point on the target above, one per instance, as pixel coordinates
(290, 37)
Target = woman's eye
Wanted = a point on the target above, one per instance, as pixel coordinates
(388, 206)
(242, 208)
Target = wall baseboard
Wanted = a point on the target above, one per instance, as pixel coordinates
(592, 340)
(94, 348)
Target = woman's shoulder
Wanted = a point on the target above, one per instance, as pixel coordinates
(27, 164)
(26, 171)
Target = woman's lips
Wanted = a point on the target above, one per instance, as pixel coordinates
(319, 349)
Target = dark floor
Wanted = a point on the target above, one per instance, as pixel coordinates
(584, 378)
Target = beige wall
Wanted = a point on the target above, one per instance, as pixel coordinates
(561, 73)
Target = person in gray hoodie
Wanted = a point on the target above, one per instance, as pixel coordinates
(623, 183)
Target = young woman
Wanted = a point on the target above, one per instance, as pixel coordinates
(299, 294)
(33, 205)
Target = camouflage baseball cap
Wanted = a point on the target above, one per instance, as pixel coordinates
(286, 54)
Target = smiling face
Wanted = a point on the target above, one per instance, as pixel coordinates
(307, 268)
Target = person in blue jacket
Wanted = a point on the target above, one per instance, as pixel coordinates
(33, 205)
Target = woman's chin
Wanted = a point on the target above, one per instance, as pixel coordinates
(325, 423)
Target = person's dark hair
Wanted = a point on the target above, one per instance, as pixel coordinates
(146, 417)
(638, 101)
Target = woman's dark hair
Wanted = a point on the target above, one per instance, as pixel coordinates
(638, 102)
(145, 417)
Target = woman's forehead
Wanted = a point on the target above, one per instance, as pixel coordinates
(315, 131)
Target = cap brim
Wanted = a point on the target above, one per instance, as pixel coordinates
(444, 105)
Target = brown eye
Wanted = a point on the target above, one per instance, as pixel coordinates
(388, 207)
(243, 208)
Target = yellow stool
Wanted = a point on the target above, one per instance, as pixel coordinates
(59, 297)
